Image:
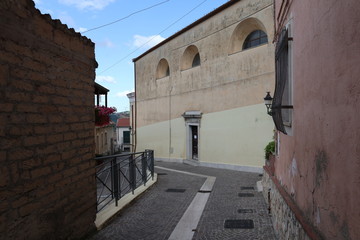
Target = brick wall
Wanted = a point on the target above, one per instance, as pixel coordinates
(47, 71)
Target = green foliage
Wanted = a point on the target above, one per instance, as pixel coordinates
(269, 149)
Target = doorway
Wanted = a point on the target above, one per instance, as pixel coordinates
(194, 142)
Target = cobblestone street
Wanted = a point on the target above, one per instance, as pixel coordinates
(156, 213)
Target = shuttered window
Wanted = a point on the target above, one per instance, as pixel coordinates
(126, 136)
(282, 116)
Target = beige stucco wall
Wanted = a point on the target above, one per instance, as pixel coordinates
(103, 136)
(225, 137)
(228, 81)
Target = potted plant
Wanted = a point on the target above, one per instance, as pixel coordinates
(270, 156)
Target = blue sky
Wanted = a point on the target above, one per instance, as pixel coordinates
(117, 44)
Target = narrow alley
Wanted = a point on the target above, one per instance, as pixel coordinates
(232, 209)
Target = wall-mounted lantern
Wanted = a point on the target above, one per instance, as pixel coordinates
(268, 101)
(272, 107)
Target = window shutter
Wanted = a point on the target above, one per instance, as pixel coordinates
(281, 64)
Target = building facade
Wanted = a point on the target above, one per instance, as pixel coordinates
(123, 134)
(314, 190)
(199, 92)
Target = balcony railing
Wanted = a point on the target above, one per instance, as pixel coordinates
(118, 175)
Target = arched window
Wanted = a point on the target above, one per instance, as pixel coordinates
(163, 69)
(254, 39)
(196, 60)
(191, 58)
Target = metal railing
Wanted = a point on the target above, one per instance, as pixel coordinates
(117, 175)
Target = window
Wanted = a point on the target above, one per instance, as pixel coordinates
(254, 39)
(282, 102)
(196, 60)
(191, 58)
(163, 69)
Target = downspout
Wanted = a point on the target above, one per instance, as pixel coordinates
(135, 115)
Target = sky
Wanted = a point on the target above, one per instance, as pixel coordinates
(124, 29)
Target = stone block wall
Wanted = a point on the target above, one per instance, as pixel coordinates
(288, 221)
(47, 71)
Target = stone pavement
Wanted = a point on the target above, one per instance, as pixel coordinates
(156, 213)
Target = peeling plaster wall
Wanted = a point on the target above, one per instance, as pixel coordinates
(319, 165)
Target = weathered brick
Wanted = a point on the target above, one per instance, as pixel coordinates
(31, 163)
(61, 128)
(31, 63)
(10, 57)
(46, 89)
(28, 208)
(36, 118)
(2, 156)
(68, 154)
(23, 85)
(77, 143)
(18, 96)
(70, 172)
(44, 190)
(43, 129)
(60, 100)
(5, 177)
(72, 118)
(27, 108)
(38, 172)
(34, 140)
(52, 158)
(40, 99)
(4, 205)
(20, 154)
(69, 136)
(20, 202)
(7, 107)
(4, 74)
(57, 167)
(54, 138)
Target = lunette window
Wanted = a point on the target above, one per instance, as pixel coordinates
(254, 39)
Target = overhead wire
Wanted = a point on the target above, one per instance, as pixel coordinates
(172, 24)
(123, 18)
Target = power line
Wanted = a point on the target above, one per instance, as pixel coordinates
(142, 10)
(172, 24)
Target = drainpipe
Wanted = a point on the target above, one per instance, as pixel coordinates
(135, 115)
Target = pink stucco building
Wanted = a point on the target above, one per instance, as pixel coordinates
(314, 192)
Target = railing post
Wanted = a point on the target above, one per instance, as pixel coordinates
(132, 173)
(150, 158)
(115, 182)
(143, 167)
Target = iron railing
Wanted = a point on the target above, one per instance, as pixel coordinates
(117, 175)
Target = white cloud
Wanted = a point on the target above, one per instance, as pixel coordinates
(147, 42)
(107, 79)
(124, 93)
(81, 29)
(87, 4)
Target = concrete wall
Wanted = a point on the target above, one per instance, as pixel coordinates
(229, 84)
(319, 165)
(47, 184)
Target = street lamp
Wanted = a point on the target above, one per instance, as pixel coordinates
(268, 101)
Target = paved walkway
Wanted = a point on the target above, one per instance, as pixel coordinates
(186, 194)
